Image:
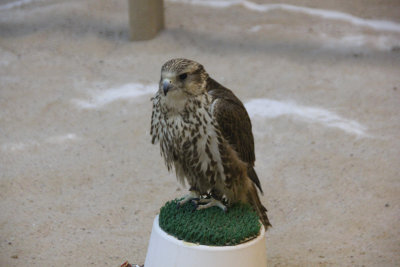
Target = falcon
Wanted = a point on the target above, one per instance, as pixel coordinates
(204, 133)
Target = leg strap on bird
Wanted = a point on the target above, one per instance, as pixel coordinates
(193, 195)
(206, 203)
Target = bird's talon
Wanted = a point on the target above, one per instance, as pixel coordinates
(194, 203)
(194, 208)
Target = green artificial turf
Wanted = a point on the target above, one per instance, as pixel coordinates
(210, 226)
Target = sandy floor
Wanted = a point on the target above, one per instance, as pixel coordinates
(80, 182)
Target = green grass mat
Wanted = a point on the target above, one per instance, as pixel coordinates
(210, 226)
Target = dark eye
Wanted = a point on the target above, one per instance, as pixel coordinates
(183, 76)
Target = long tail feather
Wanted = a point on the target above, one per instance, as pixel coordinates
(254, 200)
(254, 177)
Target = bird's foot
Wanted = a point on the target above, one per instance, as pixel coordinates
(191, 196)
(206, 203)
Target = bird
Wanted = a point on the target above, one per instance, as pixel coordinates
(205, 134)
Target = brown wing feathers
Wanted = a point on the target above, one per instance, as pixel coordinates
(235, 125)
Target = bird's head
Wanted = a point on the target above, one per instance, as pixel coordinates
(182, 77)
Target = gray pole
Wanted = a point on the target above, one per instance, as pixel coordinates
(146, 18)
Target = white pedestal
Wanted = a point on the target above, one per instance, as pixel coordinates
(166, 251)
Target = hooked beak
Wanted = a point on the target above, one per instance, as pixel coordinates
(166, 85)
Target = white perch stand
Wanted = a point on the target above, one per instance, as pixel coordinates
(167, 251)
(146, 18)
